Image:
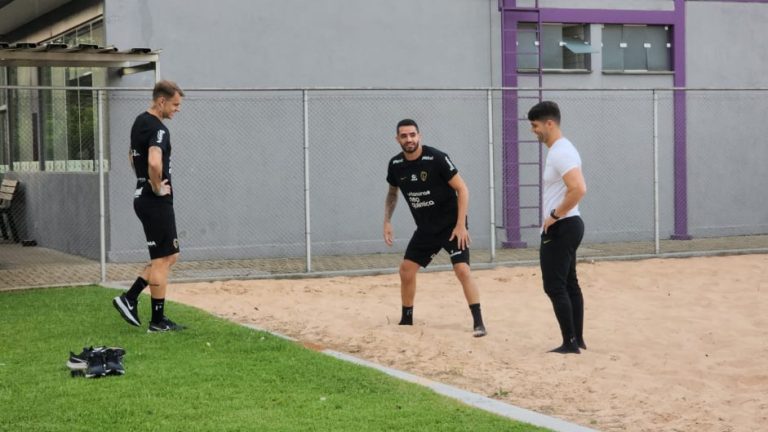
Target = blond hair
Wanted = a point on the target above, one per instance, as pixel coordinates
(167, 89)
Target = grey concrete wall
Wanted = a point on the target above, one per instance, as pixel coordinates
(239, 157)
(240, 162)
(294, 43)
(726, 130)
(59, 211)
(238, 169)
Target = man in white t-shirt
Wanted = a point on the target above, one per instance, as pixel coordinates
(561, 233)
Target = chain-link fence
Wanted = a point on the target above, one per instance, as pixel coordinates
(292, 182)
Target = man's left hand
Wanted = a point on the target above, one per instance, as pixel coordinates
(461, 234)
(548, 222)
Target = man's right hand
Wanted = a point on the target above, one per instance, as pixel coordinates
(163, 190)
(388, 233)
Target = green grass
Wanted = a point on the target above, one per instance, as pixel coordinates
(214, 376)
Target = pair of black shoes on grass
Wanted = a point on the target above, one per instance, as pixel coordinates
(97, 362)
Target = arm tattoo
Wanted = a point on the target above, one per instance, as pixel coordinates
(390, 203)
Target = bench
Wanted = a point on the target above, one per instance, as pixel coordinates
(7, 189)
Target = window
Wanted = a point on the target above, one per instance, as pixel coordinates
(4, 159)
(636, 48)
(562, 47)
(54, 130)
(22, 120)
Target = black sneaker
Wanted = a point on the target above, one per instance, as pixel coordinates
(128, 309)
(97, 366)
(479, 331)
(164, 325)
(79, 362)
(113, 361)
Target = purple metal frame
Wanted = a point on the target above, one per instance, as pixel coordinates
(510, 16)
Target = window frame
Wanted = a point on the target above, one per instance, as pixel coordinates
(564, 56)
(606, 39)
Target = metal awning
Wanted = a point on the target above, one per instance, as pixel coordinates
(128, 62)
(579, 47)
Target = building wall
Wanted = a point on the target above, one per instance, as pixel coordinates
(59, 211)
(342, 43)
(726, 130)
(293, 44)
(408, 43)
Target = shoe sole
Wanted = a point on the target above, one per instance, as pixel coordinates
(95, 374)
(125, 312)
(77, 366)
(479, 333)
(165, 330)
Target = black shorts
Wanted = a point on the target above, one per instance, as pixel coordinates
(424, 246)
(159, 222)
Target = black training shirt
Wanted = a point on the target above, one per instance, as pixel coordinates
(424, 184)
(148, 131)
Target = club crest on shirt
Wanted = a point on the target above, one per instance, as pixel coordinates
(423, 176)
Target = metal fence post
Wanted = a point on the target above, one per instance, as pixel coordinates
(491, 184)
(307, 220)
(657, 248)
(102, 228)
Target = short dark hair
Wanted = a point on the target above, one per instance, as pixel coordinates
(545, 110)
(406, 122)
(167, 89)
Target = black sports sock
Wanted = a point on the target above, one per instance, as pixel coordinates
(136, 289)
(477, 316)
(158, 312)
(407, 318)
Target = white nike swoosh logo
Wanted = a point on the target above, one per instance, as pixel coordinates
(129, 306)
(546, 241)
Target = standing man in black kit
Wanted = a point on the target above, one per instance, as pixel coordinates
(150, 157)
(438, 199)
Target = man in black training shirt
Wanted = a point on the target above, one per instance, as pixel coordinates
(438, 199)
(150, 157)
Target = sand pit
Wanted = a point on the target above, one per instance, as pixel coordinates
(676, 344)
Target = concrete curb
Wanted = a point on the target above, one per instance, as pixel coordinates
(472, 399)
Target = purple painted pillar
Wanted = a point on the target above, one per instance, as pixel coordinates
(680, 146)
(510, 154)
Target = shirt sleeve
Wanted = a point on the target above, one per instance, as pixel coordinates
(566, 161)
(446, 167)
(160, 139)
(391, 176)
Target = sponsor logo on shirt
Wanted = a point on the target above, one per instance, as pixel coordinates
(397, 161)
(414, 199)
(427, 158)
(450, 165)
(160, 134)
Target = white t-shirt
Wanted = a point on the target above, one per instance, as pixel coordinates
(561, 158)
